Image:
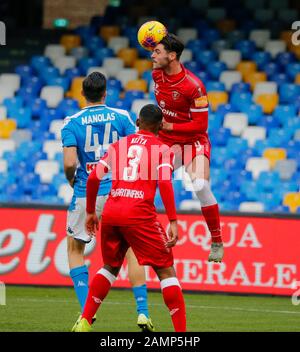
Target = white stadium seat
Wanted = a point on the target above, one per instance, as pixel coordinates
(53, 95)
(139, 103)
(100, 69)
(229, 78)
(3, 166)
(47, 169)
(6, 92)
(7, 145)
(64, 62)
(55, 127)
(189, 204)
(53, 51)
(20, 136)
(65, 192)
(3, 112)
(257, 165)
(260, 37)
(264, 88)
(186, 34)
(117, 43)
(254, 133)
(231, 58)
(187, 55)
(112, 66)
(11, 81)
(127, 74)
(51, 147)
(275, 47)
(251, 207)
(236, 122)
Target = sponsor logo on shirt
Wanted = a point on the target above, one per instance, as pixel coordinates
(201, 102)
(129, 193)
(89, 167)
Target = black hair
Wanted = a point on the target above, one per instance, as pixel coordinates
(172, 43)
(94, 87)
(151, 114)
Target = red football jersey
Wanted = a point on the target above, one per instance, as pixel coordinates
(182, 98)
(136, 162)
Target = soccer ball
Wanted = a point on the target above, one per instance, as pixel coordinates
(150, 34)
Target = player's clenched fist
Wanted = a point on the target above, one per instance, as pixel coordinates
(91, 223)
(172, 234)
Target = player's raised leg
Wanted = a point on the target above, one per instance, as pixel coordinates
(136, 274)
(198, 171)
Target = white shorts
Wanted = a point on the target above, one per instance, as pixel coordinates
(76, 218)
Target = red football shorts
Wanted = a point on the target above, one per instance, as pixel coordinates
(146, 240)
(185, 153)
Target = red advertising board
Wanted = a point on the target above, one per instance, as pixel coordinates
(262, 255)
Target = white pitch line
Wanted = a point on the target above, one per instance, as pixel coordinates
(162, 305)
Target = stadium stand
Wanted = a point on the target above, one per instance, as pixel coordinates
(244, 57)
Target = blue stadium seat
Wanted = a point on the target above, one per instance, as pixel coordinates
(281, 209)
(292, 69)
(72, 73)
(270, 200)
(131, 95)
(253, 111)
(268, 121)
(261, 58)
(58, 180)
(248, 153)
(112, 96)
(239, 176)
(288, 92)
(196, 45)
(63, 82)
(22, 116)
(66, 105)
(101, 53)
(49, 72)
(51, 114)
(12, 103)
(249, 189)
(292, 149)
(221, 136)
(86, 62)
(285, 58)
(38, 62)
(215, 69)
(192, 66)
(235, 198)
(147, 76)
(14, 191)
(284, 112)
(268, 181)
(215, 121)
(236, 146)
(218, 175)
(239, 100)
(24, 71)
(271, 69)
(222, 110)
(43, 190)
(94, 43)
(34, 82)
(85, 33)
(210, 35)
(30, 182)
(279, 78)
(215, 86)
(205, 57)
(246, 47)
(27, 94)
(240, 87)
(114, 84)
(233, 164)
(123, 104)
(278, 137)
(287, 187)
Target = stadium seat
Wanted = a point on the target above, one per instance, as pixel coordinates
(11, 80)
(107, 32)
(288, 93)
(212, 86)
(240, 100)
(268, 102)
(226, 25)
(51, 148)
(3, 112)
(251, 207)
(127, 74)
(46, 169)
(137, 84)
(20, 136)
(65, 192)
(260, 37)
(216, 98)
(3, 166)
(253, 133)
(65, 62)
(215, 14)
(53, 95)
(100, 69)
(275, 47)
(257, 165)
(246, 67)
(79, 52)
(286, 168)
(274, 154)
(292, 200)
(261, 58)
(246, 47)
(128, 55)
(142, 65)
(5, 92)
(264, 88)
(70, 41)
(230, 57)
(53, 51)
(236, 122)
(7, 145)
(112, 66)
(139, 103)
(118, 42)
(186, 34)
(7, 127)
(187, 55)
(254, 78)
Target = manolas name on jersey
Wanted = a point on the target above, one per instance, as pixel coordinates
(91, 130)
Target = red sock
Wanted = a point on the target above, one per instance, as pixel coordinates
(212, 218)
(174, 301)
(98, 290)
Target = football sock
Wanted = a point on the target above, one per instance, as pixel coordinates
(80, 278)
(140, 295)
(99, 288)
(212, 218)
(173, 298)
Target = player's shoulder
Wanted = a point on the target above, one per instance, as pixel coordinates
(156, 73)
(69, 120)
(193, 81)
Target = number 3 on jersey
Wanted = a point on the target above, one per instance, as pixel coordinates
(130, 173)
(97, 148)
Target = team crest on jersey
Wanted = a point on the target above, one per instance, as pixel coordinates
(162, 103)
(175, 95)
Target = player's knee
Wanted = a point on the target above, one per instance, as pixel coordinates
(199, 184)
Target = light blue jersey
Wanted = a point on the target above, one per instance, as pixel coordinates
(91, 130)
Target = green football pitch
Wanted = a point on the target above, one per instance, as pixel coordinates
(55, 309)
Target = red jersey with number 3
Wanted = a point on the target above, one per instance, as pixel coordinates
(135, 162)
(182, 98)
